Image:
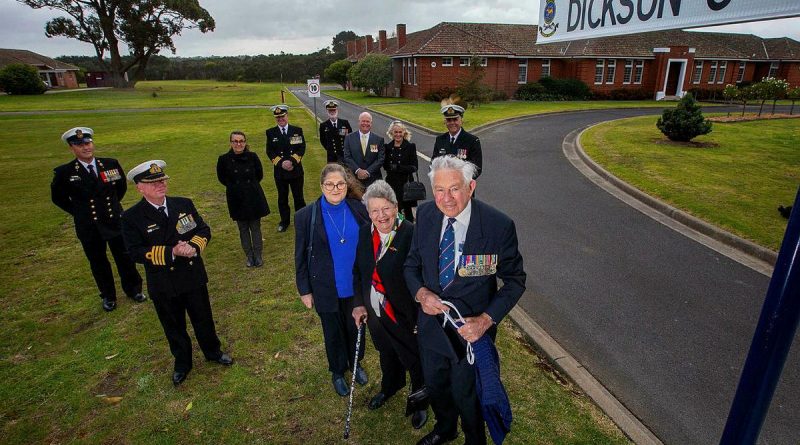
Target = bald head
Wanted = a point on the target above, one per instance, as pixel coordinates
(365, 122)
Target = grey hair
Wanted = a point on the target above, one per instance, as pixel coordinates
(364, 113)
(379, 189)
(450, 162)
(399, 124)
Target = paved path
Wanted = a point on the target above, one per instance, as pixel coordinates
(662, 321)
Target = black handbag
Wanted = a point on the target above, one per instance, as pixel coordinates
(414, 190)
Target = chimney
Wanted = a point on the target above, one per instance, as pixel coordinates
(351, 48)
(382, 40)
(359, 46)
(370, 43)
(401, 35)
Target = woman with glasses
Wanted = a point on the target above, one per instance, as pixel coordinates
(400, 163)
(326, 235)
(384, 299)
(240, 171)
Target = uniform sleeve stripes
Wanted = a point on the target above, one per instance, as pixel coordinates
(200, 241)
(297, 157)
(275, 160)
(156, 255)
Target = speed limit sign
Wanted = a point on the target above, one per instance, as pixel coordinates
(313, 87)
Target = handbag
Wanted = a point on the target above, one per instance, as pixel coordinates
(414, 190)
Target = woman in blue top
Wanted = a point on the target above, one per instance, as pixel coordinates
(326, 235)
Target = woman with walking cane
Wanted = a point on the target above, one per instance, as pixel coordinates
(382, 297)
(326, 234)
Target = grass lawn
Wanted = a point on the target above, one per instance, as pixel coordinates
(64, 362)
(427, 114)
(736, 182)
(362, 98)
(189, 93)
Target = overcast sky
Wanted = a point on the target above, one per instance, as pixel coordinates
(302, 26)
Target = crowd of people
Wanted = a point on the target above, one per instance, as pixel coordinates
(363, 255)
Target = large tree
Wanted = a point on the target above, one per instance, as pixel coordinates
(144, 26)
(339, 44)
(373, 72)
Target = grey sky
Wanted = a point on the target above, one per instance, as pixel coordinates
(302, 26)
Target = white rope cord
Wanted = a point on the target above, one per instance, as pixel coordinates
(448, 317)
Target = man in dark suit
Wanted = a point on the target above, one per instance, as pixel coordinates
(90, 189)
(167, 235)
(461, 248)
(333, 131)
(456, 141)
(286, 147)
(364, 151)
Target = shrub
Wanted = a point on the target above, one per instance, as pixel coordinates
(373, 72)
(18, 78)
(685, 122)
(337, 72)
(439, 94)
(499, 95)
(630, 94)
(471, 88)
(569, 89)
(707, 94)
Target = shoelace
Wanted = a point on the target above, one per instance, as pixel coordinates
(454, 322)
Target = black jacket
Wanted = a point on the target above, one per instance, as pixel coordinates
(399, 164)
(466, 147)
(332, 138)
(93, 202)
(149, 240)
(291, 147)
(241, 175)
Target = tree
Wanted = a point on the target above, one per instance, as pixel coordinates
(339, 44)
(18, 78)
(337, 72)
(470, 88)
(373, 72)
(793, 95)
(684, 122)
(730, 93)
(144, 26)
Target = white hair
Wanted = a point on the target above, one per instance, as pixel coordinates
(379, 189)
(360, 116)
(450, 162)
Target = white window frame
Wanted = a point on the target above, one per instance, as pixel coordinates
(723, 67)
(712, 71)
(447, 61)
(601, 74)
(627, 72)
(773, 69)
(522, 72)
(484, 61)
(463, 61)
(415, 70)
(697, 74)
(740, 73)
(638, 71)
(545, 68)
(404, 71)
(611, 71)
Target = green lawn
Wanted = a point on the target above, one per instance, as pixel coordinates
(427, 114)
(189, 93)
(737, 183)
(62, 359)
(362, 98)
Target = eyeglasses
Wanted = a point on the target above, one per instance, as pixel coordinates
(329, 186)
(238, 141)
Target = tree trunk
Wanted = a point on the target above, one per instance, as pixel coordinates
(773, 105)
(761, 108)
(791, 110)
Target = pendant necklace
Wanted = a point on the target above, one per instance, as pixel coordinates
(344, 225)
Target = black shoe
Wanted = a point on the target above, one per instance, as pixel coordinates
(361, 376)
(178, 377)
(282, 228)
(257, 261)
(434, 438)
(249, 263)
(139, 298)
(109, 305)
(223, 359)
(419, 419)
(377, 401)
(340, 385)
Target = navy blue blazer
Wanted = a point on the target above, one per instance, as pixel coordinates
(490, 232)
(316, 276)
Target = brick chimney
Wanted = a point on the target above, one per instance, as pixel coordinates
(370, 43)
(351, 48)
(359, 46)
(401, 35)
(382, 40)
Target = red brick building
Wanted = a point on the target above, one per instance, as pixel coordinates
(661, 63)
(56, 74)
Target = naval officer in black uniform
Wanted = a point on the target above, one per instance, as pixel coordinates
(456, 141)
(333, 131)
(90, 189)
(285, 148)
(167, 235)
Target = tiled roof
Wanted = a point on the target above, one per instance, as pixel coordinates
(9, 56)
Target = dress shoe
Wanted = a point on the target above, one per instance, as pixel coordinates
(139, 298)
(377, 400)
(223, 359)
(361, 376)
(419, 419)
(340, 385)
(178, 377)
(434, 438)
(109, 305)
(281, 228)
(249, 263)
(257, 261)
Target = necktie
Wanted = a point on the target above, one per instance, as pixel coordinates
(452, 140)
(364, 144)
(377, 283)
(447, 255)
(91, 170)
(163, 211)
(283, 130)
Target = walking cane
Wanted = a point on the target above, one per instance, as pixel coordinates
(353, 380)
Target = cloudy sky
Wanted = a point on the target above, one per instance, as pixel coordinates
(302, 26)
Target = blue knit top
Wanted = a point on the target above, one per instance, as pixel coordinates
(340, 223)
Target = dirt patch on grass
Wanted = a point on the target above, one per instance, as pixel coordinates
(110, 386)
(751, 117)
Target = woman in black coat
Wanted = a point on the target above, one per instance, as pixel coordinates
(240, 171)
(400, 162)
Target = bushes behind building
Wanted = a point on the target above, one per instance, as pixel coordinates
(18, 78)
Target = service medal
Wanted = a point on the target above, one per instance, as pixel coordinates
(185, 224)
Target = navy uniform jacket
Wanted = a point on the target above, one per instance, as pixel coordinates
(466, 147)
(149, 240)
(93, 202)
(291, 147)
(490, 232)
(316, 276)
(371, 161)
(332, 138)
(241, 175)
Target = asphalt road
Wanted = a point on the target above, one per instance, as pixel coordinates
(661, 320)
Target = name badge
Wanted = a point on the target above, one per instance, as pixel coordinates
(274, 139)
(462, 153)
(477, 265)
(185, 223)
(373, 148)
(296, 139)
(343, 132)
(110, 175)
(152, 228)
(74, 178)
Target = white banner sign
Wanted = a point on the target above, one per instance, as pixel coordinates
(561, 20)
(313, 87)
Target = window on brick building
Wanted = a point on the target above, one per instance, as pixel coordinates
(484, 61)
(740, 73)
(463, 61)
(522, 76)
(698, 71)
(627, 73)
(723, 66)
(773, 69)
(612, 69)
(545, 67)
(415, 71)
(599, 69)
(637, 76)
(404, 71)
(447, 61)
(712, 72)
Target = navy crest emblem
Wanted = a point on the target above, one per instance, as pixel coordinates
(549, 14)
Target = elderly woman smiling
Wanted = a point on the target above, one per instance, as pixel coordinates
(382, 296)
